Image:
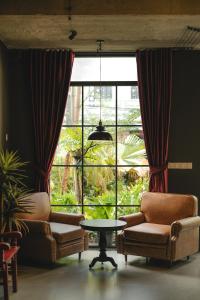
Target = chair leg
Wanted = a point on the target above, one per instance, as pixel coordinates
(147, 260)
(79, 256)
(14, 273)
(170, 264)
(126, 258)
(5, 281)
(188, 257)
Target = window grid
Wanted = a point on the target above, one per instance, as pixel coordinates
(116, 165)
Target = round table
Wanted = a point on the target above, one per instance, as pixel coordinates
(102, 226)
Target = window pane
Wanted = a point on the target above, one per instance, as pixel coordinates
(69, 149)
(99, 185)
(99, 152)
(131, 148)
(112, 69)
(94, 237)
(73, 112)
(66, 185)
(92, 105)
(132, 182)
(122, 211)
(128, 105)
(102, 212)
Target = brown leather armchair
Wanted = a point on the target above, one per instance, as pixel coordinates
(167, 227)
(51, 235)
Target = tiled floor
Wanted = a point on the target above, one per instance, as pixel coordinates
(72, 280)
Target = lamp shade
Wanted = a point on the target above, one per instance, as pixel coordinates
(100, 134)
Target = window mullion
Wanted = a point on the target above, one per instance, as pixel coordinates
(116, 154)
(82, 164)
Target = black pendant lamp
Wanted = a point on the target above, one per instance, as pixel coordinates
(100, 134)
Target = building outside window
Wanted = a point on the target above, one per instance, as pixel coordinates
(101, 179)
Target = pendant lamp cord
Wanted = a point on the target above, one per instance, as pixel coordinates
(100, 83)
(69, 11)
(99, 49)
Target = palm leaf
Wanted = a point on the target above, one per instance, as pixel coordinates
(132, 151)
(13, 193)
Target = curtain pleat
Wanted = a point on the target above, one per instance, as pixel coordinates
(155, 89)
(50, 73)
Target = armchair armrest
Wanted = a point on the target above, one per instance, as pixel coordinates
(72, 219)
(38, 227)
(11, 237)
(133, 219)
(4, 246)
(184, 224)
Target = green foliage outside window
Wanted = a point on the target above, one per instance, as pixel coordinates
(96, 185)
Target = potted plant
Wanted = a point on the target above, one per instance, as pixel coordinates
(12, 192)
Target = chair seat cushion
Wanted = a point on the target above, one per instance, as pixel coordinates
(65, 232)
(148, 233)
(8, 254)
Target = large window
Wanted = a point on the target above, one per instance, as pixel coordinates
(101, 179)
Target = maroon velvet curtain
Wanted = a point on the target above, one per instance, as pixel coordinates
(50, 79)
(155, 89)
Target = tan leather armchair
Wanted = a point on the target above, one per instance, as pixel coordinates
(51, 235)
(167, 227)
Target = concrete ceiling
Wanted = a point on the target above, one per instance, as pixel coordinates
(25, 28)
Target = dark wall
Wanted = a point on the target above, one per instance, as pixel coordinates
(184, 143)
(20, 113)
(185, 122)
(3, 94)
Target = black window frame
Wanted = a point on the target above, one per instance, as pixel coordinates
(82, 126)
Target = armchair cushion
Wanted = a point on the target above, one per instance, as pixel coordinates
(65, 233)
(41, 207)
(148, 233)
(165, 208)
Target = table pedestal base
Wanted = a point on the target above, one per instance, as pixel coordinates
(102, 256)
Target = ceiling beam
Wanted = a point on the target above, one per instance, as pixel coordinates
(101, 7)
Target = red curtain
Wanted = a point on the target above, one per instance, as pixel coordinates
(155, 89)
(50, 80)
